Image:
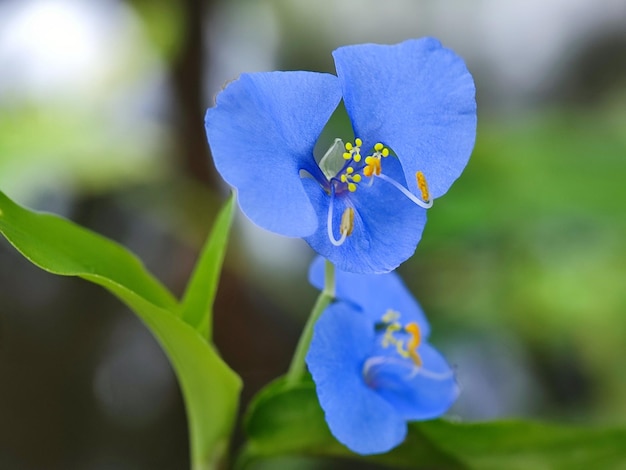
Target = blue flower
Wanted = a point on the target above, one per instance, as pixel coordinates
(371, 364)
(363, 204)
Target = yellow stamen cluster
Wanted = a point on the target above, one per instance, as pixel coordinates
(421, 183)
(353, 151)
(372, 163)
(393, 326)
(350, 178)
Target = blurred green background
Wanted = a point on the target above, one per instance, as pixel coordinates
(521, 270)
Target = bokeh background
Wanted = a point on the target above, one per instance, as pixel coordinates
(521, 270)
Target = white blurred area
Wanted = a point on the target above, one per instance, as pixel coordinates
(68, 49)
(81, 91)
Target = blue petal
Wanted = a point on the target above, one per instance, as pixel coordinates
(374, 294)
(417, 98)
(262, 132)
(387, 225)
(426, 395)
(357, 416)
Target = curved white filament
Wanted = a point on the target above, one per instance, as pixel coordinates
(414, 370)
(329, 224)
(425, 204)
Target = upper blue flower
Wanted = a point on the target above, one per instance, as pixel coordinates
(371, 364)
(362, 206)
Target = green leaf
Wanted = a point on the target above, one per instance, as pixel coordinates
(287, 420)
(62, 247)
(209, 387)
(197, 304)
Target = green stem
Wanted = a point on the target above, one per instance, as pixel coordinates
(298, 367)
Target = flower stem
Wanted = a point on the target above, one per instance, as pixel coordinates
(297, 366)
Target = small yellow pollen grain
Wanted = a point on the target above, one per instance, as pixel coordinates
(346, 156)
(421, 183)
(349, 170)
(348, 146)
(356, 178)
(378, 147)
(357, 157)
(358, 142)
(385, 152)
(347, 222)
(351, 187)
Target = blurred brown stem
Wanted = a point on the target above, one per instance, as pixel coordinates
(187, 77)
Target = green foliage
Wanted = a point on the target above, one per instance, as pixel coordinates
(209, 387)
(197, 303)
(531, 241)
(287, 420)
(164, 23)
(73, 148)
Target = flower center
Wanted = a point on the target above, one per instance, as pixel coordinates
(392, 328)
(401, 362)
(390, 369)
(346, 171)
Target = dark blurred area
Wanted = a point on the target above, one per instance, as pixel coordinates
(521, 268)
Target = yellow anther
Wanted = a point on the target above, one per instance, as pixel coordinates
(357, 157)
(347, 222)
(369, 160)
(372, 168)
(421, 183)
(348, 146)
(346, 155)
(350, 178)
(413, 329)
(378, 147)
(358, 142)
(385, 152)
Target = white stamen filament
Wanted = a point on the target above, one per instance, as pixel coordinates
(425, 204)
(414, 370)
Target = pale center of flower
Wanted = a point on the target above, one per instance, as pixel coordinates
(346, 171)
(404, 362)
(406, 348)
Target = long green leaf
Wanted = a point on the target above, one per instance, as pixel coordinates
(62, 247)
(287, 420)
(209, 387)
(197, 303)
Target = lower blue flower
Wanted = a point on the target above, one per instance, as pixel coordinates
(372, 366)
